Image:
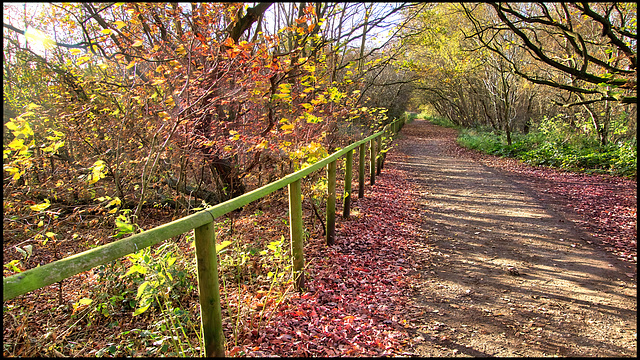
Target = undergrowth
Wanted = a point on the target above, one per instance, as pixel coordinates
(146, 304)
(552, 143)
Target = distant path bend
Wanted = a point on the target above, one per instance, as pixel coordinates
(507, 275)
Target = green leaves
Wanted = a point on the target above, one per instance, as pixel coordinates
(336, 95)
(12, 266)
(123, 223)
(158, 274)
(26, 252)
(310, 118)
(143, 308)
(136, 269)
(123, 228)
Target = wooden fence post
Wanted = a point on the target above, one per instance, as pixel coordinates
(379, 156)
(391, 134)
(211, 314)
(361, 173)
(295, 229)
(331, 202)
(346, 205)
(384, 144)
(372, 161)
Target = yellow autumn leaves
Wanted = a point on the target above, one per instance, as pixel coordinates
(98, 171)
(17, 154)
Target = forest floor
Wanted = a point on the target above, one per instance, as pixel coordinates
(519, 264)
(450, 253)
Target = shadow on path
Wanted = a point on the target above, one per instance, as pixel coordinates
(507, 276)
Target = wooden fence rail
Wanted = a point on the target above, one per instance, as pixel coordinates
(203, 224)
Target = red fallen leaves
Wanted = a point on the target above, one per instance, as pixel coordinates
(353, 304)
(607, 206)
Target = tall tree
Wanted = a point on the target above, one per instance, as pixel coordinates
(588, 50)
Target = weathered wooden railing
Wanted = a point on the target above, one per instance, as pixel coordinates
(203, 224)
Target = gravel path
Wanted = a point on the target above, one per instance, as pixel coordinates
(507, 274)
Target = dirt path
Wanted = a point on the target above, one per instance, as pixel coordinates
(507, 275)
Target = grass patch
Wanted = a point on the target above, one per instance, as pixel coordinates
(440, 121)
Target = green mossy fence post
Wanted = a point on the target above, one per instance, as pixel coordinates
(211, 314)
(372, 161)
(379, 156)
(295, 229)
(331, 202)
(346, 205)
(387, 141)
(361, 172)
(383, 145)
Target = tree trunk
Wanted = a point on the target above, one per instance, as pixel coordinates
(601, 126)
(210, 197)
(228, 176)
(364, 37)
(507, 129)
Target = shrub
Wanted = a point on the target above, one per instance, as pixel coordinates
(550, 145)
